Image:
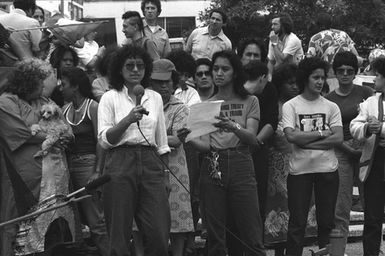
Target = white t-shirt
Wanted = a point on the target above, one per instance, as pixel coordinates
(291, 45)
(305, 115)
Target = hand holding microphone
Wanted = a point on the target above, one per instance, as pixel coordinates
(139, 110)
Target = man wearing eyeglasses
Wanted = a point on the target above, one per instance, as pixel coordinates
(203, 79)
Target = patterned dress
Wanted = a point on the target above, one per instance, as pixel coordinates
(28, 183)
(176, 113)
(277, 212)
(327, 43)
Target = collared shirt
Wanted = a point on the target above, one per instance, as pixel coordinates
(28, 39)
(291, 45)
(190, 96)
(115, 105)
(202, 45)
(146, 43)
(327, 43)
(160, 38)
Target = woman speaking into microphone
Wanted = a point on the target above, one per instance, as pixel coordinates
(135, 134)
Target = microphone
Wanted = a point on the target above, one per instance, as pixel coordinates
(139, 92)
(92, 185)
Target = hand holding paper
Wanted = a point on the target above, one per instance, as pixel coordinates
(202, 117)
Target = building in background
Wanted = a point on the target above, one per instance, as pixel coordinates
(177, 17)
(72, 9)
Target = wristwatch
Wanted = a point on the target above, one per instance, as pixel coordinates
(237, 126)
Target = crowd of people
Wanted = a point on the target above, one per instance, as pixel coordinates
(294, 133)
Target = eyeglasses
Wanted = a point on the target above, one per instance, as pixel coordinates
(131, 66)
(38, 17)
(201, 73)
(347, 71)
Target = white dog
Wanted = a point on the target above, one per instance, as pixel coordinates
(52, 125)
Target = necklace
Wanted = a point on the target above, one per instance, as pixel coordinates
(81, 106)
(82, 116)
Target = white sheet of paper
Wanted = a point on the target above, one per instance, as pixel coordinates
(201, 118)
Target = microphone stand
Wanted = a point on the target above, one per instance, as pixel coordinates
(38, 212)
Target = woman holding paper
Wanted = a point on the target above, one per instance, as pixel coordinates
(228, 183)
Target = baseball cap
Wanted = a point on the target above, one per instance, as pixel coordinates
(162, 69)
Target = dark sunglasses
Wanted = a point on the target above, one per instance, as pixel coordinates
(348, 71)
(201, 73)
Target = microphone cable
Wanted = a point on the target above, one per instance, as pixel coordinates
(194, 197)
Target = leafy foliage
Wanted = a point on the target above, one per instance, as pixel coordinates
(363, 20)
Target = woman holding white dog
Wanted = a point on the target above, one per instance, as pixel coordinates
(21, 173)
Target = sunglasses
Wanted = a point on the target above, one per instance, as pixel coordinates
(201, 73)
(343, 71)
(131, 66)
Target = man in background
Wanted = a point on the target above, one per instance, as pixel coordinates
(284, 46)
(20, 18)
(204, 42)
(151, 10)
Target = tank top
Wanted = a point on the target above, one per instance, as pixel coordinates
(85, 141)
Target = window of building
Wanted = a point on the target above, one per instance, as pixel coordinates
(176, 26)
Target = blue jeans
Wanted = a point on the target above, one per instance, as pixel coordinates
(300, 189)
(82, 167)
(346, 168)
(237, 195)
(137, 190)
(374, 194)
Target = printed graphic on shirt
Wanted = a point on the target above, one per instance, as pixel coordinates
(312, 122)
(231, 110)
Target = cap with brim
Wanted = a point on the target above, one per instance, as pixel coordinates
(162, 69)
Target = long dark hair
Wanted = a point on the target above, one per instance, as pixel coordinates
(239, 77)
(77, 76)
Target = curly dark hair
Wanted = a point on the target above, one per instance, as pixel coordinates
(58, 53)
(103, 63)
(306, 68)
(247, 41)
(282, 74)
(27, 76)
(76, 76)
(155, 2)
(239, 77)
(119, 58)
(183, 62)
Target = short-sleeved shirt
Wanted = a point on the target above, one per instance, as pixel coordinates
(87, 53)
(304, 115)
(202, 45)
(160, 38)
(239, 110)
(291, 45)
(190, 96)
(349, 105)
(28, 39)
(327, 43)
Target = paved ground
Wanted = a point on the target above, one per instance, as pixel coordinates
(353, 248)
